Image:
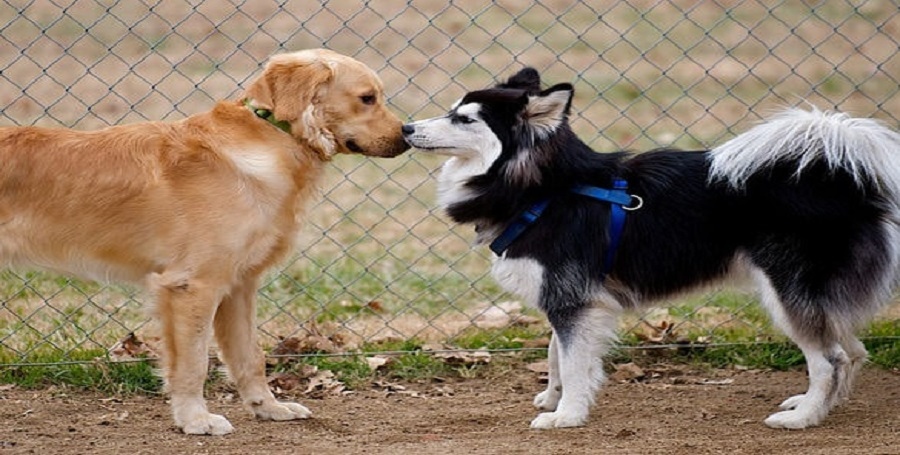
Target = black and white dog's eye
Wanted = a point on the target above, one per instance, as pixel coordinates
(464, 120)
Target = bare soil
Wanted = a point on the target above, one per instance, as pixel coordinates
(675, 412)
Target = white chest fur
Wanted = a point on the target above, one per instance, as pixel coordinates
(521, 276)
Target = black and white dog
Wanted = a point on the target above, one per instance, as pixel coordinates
(806, 205)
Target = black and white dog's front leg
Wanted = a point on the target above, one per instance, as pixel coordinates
(549, 398)
(584, 320)
(576, 367)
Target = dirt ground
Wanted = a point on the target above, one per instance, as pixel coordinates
(676, 412)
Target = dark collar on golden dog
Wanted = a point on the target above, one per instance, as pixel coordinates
(268, 116)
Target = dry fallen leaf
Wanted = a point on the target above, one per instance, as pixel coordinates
(375, 306)
(716, 381)
(501, 315)
(314, 341)
(306, 344)
(378, 361)
(657, 333)
(492, 318)
(392, 388)
(542, 366)
(443, 391)
(306, 371)
(431, 347)
(388, 386)
(385, 338)
(536, 343)
(525, 320)
(662, 333)
(131, 347)
(627, 372)
(290, 380)
(464, 357)
(284, 382)
(324, 384)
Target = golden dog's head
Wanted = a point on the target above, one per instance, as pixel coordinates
(333, 103)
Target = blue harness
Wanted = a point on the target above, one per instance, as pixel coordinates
(620, 202)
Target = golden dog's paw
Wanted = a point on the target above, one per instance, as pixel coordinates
(281, 411)
(213, 424)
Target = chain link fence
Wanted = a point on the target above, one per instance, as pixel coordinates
(377, 264)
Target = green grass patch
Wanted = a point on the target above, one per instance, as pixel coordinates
(410, 363)
(411, 360)
(343, 289)
(94, 374)
(353, 371)
(884, 352)
(776, 356)
(417, 365)
(505, 338)
(882, 339)
(392, 345)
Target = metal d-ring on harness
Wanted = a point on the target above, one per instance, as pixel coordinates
(620, 203)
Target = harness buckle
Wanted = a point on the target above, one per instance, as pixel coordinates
(637, 205)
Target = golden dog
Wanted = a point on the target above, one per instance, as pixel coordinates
(194, 210)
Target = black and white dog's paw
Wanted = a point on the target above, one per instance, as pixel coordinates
(792, 402)
(548, 399)
(798, 412)
(559, 419)
(796, 419)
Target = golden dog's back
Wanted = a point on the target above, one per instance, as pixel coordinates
(68, 199)
(119, 203)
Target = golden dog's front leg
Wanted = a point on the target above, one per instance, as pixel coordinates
(235, 330)
(185, 308)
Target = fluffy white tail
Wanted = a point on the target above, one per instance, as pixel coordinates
(867, 149)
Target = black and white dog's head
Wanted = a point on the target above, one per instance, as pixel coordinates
(502, 133)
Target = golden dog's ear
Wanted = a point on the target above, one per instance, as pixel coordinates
(289, 84)
(288, 88)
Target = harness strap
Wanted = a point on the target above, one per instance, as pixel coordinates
(620, 201)
(616, 223)
(525, 219)
(616, 195)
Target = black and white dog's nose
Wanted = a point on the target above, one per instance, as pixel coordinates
(408, 129)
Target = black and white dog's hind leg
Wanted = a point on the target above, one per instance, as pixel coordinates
(842, 274)
(833, 355)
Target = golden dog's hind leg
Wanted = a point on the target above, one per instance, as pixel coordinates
(235, 330)
(185, 308)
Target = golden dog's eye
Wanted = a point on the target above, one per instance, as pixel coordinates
(368, 99)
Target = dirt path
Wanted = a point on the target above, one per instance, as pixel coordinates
(692, 413)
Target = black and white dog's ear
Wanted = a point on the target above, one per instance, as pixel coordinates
(526, 79)
(548, 109)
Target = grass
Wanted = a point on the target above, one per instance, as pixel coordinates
(718, 330)
(409, 362)
(94, 374)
